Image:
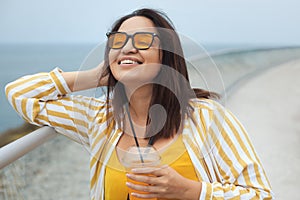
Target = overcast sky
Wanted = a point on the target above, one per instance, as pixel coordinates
(211, 21)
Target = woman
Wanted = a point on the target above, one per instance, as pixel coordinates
(207, 151)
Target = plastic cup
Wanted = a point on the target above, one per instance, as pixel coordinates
(140, 157)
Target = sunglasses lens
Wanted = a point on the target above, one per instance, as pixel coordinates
(143, 40)
(117, 40)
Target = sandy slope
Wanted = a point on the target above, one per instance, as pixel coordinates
(269, 107)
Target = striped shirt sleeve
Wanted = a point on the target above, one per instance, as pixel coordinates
(42, 99)
(239, 172)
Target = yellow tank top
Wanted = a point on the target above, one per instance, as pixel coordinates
(175, 155)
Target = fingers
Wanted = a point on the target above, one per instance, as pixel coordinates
(146, 189)
(148, 196)
(144, 179)
(156, 171)
(161, 182)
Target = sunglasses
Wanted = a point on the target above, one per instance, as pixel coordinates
(140, 40)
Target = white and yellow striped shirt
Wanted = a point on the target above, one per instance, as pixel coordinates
(220, 149)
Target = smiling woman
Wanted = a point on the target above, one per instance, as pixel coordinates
(205, 152)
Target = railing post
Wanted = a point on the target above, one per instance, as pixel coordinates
(14, 150)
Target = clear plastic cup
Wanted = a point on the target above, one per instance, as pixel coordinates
(139, 157)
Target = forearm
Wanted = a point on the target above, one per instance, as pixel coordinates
(40, 99)
(83, 80)
(27, 94)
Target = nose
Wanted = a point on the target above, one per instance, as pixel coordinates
(128, 47)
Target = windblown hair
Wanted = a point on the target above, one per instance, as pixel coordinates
(174, 99)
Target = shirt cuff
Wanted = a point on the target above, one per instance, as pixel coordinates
(206, 191)
(59, 82)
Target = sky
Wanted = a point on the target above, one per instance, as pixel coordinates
(212, 21)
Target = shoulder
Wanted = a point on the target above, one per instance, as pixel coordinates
(208, 110)
(205, 104)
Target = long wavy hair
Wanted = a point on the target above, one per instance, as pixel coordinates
(174, 98)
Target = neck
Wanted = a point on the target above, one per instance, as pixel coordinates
(139, 100)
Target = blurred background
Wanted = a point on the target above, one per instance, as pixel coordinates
(243, 38)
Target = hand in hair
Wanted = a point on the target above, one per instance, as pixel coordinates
(82, 80)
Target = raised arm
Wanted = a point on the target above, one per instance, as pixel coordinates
(82, 80)
(42, 99)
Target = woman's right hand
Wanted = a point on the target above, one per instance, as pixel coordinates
(83, 80)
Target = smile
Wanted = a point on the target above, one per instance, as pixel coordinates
(129, 61)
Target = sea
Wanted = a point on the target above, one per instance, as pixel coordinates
(216, 67)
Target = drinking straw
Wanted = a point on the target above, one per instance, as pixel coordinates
(133, 131)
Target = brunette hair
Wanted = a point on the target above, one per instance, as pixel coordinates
(172, 56)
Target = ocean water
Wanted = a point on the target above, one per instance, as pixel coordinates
(213, 67)
(19, 60)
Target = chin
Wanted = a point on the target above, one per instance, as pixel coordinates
(136, 75)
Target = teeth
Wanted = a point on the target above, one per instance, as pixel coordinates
(128, 62)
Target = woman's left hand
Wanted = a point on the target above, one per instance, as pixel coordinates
(163, 182)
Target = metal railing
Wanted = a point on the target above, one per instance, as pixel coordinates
(18, 148)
